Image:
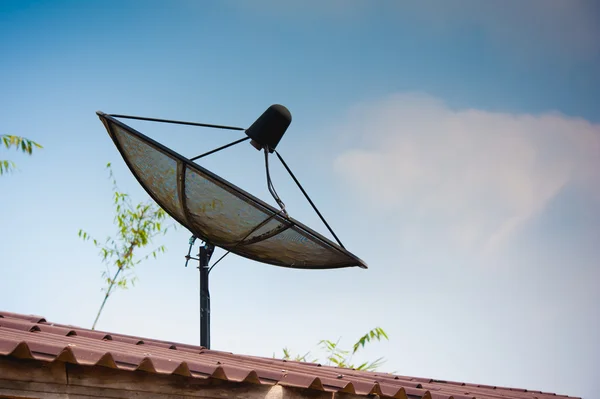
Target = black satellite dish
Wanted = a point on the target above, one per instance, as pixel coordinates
(222, 214)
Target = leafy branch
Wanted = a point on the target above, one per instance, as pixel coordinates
(19, 143)
(341, 357)
(137, 225)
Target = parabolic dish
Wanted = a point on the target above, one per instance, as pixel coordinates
(218, 212)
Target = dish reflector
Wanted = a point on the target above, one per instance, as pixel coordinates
(218, 212)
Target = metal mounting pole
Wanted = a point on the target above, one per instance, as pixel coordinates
(206, 252)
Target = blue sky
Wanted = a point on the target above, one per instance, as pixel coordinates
(453, 147)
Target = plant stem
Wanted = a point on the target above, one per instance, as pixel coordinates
(112, 283)
(110, 286)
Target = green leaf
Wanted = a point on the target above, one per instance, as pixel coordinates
(20, 143)
(375, 334)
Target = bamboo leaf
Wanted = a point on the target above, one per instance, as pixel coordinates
(137, 226)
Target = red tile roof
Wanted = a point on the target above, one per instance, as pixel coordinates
(32, 337)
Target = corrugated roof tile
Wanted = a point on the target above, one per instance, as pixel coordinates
(17, 349)
(301, 381)
(107, 360)
(18, 324)
(31, 318)
(94, 335)
(47, 328)
(237, 374)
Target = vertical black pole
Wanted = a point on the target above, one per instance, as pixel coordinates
(206, 251)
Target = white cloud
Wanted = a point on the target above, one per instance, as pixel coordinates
(476, 175)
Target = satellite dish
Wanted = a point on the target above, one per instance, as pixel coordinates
(220, 213)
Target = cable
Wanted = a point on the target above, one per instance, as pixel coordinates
(270, 185)
(218, 260)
